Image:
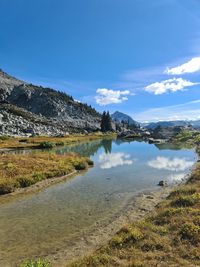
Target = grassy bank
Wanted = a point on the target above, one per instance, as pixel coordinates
(40, 141)
(23, 170)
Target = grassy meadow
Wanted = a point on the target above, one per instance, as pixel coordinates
(23, 170)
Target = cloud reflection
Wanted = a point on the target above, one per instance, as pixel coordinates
(175, 164)
(112, 160)
(177, 177)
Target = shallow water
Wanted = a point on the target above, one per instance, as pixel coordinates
(41, 223)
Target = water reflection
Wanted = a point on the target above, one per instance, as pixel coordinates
(112, 160)
(87, 149)
(172, 146)
(176, 177)
(171, 164)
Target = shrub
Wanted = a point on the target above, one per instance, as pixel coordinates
(116, 241)
(38, 176)
(133, 233)
(182, 191)
(60, 144)
(90, 162)
(23, 140)
(190, 232)
(4, 137)
(80, 166)
(186, 201)
(152, 245)
(46, 144)
(25, 181)
(6, 188)
(36, 263)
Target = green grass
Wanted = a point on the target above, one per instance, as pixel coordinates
(36, 263)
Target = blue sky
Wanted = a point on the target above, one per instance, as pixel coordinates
(136, 56)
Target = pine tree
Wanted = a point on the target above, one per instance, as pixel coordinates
(103, 122)
(106, 124)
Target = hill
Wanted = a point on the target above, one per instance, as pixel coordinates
(26, 108)
(119, 116)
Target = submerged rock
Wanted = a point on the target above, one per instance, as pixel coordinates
(162, 183)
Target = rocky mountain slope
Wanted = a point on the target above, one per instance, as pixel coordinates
(29, 109)
(119, 116)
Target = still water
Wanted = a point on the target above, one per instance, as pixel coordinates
(41, 223)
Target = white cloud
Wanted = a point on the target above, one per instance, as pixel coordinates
(108, 161)
(189, 67)
(170, 85)
(175, 164)
(107, 96)
(186, 111)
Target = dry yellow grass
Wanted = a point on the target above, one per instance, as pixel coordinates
(19, 142)
(23, 170)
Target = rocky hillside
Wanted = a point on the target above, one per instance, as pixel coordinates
(29, 109)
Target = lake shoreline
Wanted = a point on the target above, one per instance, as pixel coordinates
(134, 206)
(137, 208)
(35, 188)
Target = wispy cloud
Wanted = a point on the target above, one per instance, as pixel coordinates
(112, 160)
(171, 164)
(170, 85)
(135, 80)
(191, 66)
(186, 111)
(108, 96)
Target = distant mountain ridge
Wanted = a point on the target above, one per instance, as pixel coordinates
(119, 116)
(153, 125)
(59, 110)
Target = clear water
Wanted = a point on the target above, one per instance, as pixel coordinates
(42, 223)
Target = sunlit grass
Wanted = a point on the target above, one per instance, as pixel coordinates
(23, 170)
(36, 263)
(43, 141)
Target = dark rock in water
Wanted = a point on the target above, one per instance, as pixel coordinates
(150, 197)
(162, 183)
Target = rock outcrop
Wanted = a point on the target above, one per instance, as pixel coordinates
(166, 133)
(29, 109)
